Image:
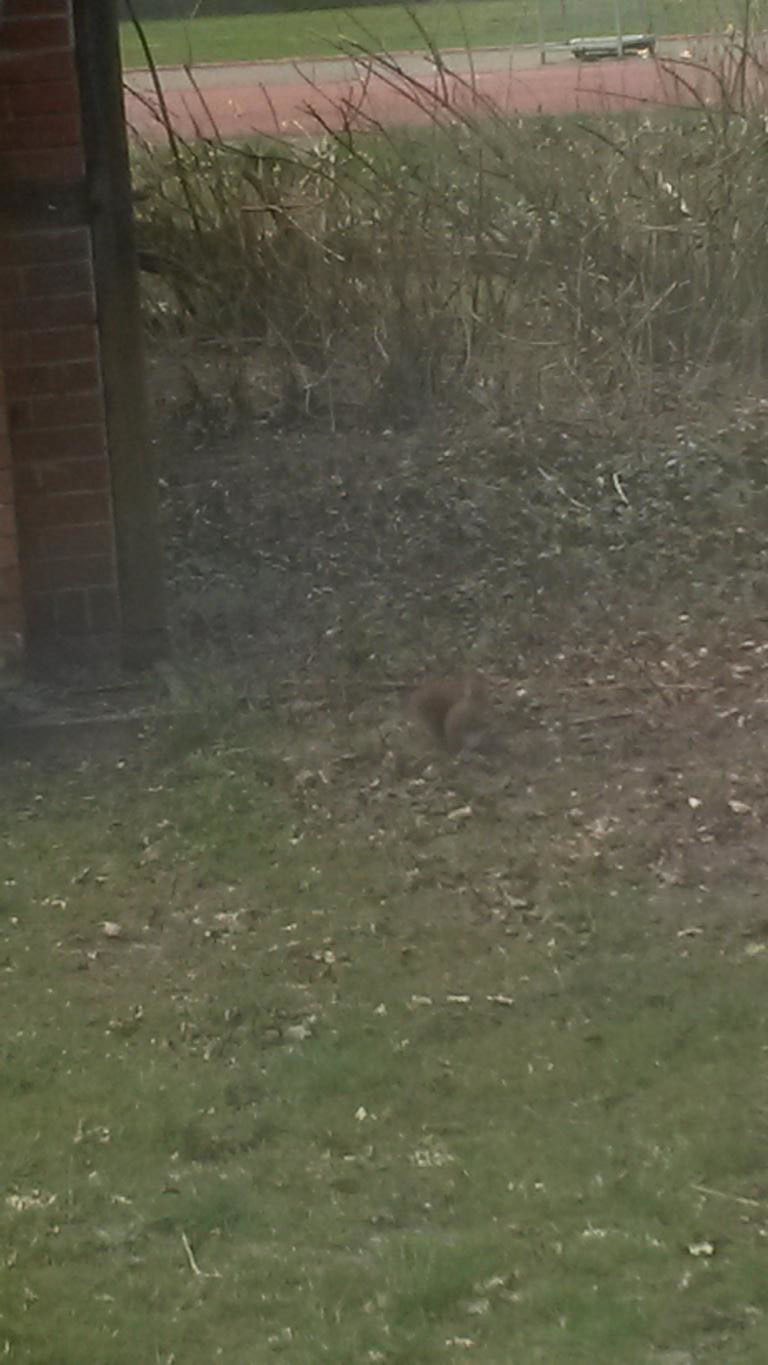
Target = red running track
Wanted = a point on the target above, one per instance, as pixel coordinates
(234, 102)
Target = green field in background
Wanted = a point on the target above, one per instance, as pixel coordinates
(486, 23)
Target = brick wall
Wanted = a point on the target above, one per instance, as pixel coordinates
(50, 343)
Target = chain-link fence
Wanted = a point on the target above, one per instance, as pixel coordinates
(594, 28)
(586, 27)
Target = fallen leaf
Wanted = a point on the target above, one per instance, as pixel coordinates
(701, 1248)
(461, 813)
(477, 1307)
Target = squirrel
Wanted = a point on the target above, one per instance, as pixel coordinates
(455, 710)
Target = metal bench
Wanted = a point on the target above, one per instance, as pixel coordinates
(594, 49)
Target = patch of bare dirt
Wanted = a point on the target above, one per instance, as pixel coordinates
(605, 577)
(640, 763)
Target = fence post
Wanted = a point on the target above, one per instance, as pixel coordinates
(619, 34)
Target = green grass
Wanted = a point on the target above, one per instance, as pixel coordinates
(382, 1123)
(486, 23)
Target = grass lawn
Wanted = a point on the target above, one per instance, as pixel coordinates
(486, 23)
(289, 1071)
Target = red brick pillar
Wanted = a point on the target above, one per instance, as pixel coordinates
(51, 353)
(51, 350)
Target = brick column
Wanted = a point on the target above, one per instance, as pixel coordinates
(51, 350)
(70, 456)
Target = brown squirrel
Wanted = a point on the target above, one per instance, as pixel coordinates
(455, 710)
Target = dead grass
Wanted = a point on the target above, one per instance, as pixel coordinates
(505, 262)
